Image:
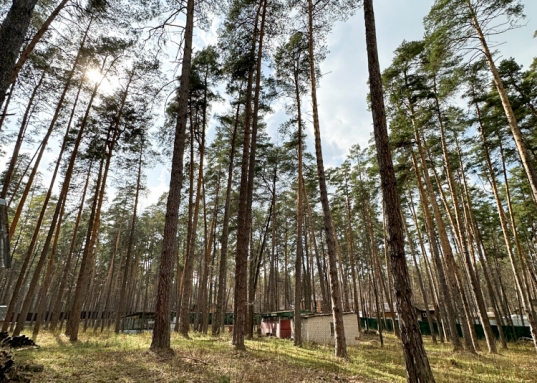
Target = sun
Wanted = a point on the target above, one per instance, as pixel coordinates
(106, 84)
(94, 75)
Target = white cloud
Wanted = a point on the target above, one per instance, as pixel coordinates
(158, 180)
(343, 113)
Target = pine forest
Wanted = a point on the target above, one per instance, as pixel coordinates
(257, 190)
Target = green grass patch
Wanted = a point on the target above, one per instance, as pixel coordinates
(107, 357)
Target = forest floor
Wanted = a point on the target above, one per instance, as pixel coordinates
(108, 357)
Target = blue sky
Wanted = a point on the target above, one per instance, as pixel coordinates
(344, 117)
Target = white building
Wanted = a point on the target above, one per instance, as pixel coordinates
(319, 328)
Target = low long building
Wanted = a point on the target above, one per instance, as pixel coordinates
(319, 328)
(316, 328)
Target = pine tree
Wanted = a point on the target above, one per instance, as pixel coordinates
(417, 363)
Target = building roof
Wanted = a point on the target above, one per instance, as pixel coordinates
(140, 314)
(311, 315)
(283, 314)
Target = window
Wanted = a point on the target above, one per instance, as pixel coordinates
(331, 328)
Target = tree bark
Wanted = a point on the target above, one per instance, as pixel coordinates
(417, 363)
(93, 224)
(51, 126)
(20, 138)
(63, 282)
(320, 270)
(3, 112)
(451, 267)
(522, 149)
(12, 33)
(299, 219)
(474, 235)
(48, 275)
(337, 308)
(206, 279)
(161, 332)
(420, 282)
(243, 234)
(186, 281)
(25, 55)
(179, 283)
(124, 281)
(517, 273)
(218, 319)
(108, 281)
(350, 250)
(461, 234)
(61, 199)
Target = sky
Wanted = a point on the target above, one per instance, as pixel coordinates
(344, 118)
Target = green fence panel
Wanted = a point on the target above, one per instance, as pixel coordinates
(512, 334)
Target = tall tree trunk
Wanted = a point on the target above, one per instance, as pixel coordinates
(251, 171)
(272, 292)
(320, 270)
(461, 234)
(420, 282)
(243, 234)
(12, 33)
(205, 303)
(286, 282)
(389, 290)
(522, 149)
(25, 54)
(63, 282)
(4, 112)
(48, 275)
(299, 219)
(520, 283)
(208, 241)
(22, 132)
(186, 282)
(93, 229)
(474, 236)
(52, 123)
(445, 293)
(337, 309)
(61, 200)
(161, 332)
(122, 303)
(218, 318)
(350, 250)
(452, 271)
(179, 283)
(108, 281)
(417, 363)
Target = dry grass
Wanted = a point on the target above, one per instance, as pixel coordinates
(109, 357)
